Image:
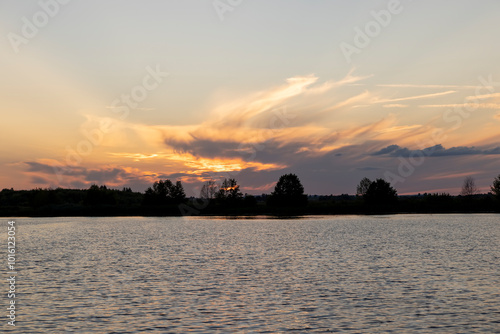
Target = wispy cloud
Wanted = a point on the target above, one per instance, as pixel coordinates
(435, 151)
(137, 156)
(273, 118)
(417, 97)
(427, 86)
(464, 105)
(483, 97)
(400, 128)
(395, 105)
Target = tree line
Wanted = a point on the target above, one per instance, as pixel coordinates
(165, 197)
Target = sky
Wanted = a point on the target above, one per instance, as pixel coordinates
(125, 93)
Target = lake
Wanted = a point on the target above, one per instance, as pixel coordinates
(359, 274)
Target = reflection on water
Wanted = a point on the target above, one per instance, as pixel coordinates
(405, 274)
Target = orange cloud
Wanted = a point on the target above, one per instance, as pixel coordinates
(270, 130)
(224, 165)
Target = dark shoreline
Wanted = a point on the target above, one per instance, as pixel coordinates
(126, 203)
(248, 215)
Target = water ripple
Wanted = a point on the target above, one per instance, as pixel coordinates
(400, 274)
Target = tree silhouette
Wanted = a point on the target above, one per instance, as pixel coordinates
(229, 191)
(209, 190)
(381, 193)
(495, 188)
(165, 193)
(177, 193)
(100, 200)
(363, 186)
(469, 187)
(99, 195)
(288, 192)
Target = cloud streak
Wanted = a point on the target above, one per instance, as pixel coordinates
(427, 86)
(395, 105)
(483, 97)
(417, 97)
(471, 105)
(435, 151)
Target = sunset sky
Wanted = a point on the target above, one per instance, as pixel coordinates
(124, 93)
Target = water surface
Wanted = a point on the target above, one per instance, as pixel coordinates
(377, 274)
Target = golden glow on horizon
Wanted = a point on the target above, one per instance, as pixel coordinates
(280, 118)
(249, 124)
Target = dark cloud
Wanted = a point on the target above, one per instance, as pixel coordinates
(205, 148)
(78, 185)
(492, 151)
(101, 175)
(39, 180)
(179, 175)
(387, 150)
(434, 151)
(53, 169)
(269, 151)
(38, 167)
(80, 177)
